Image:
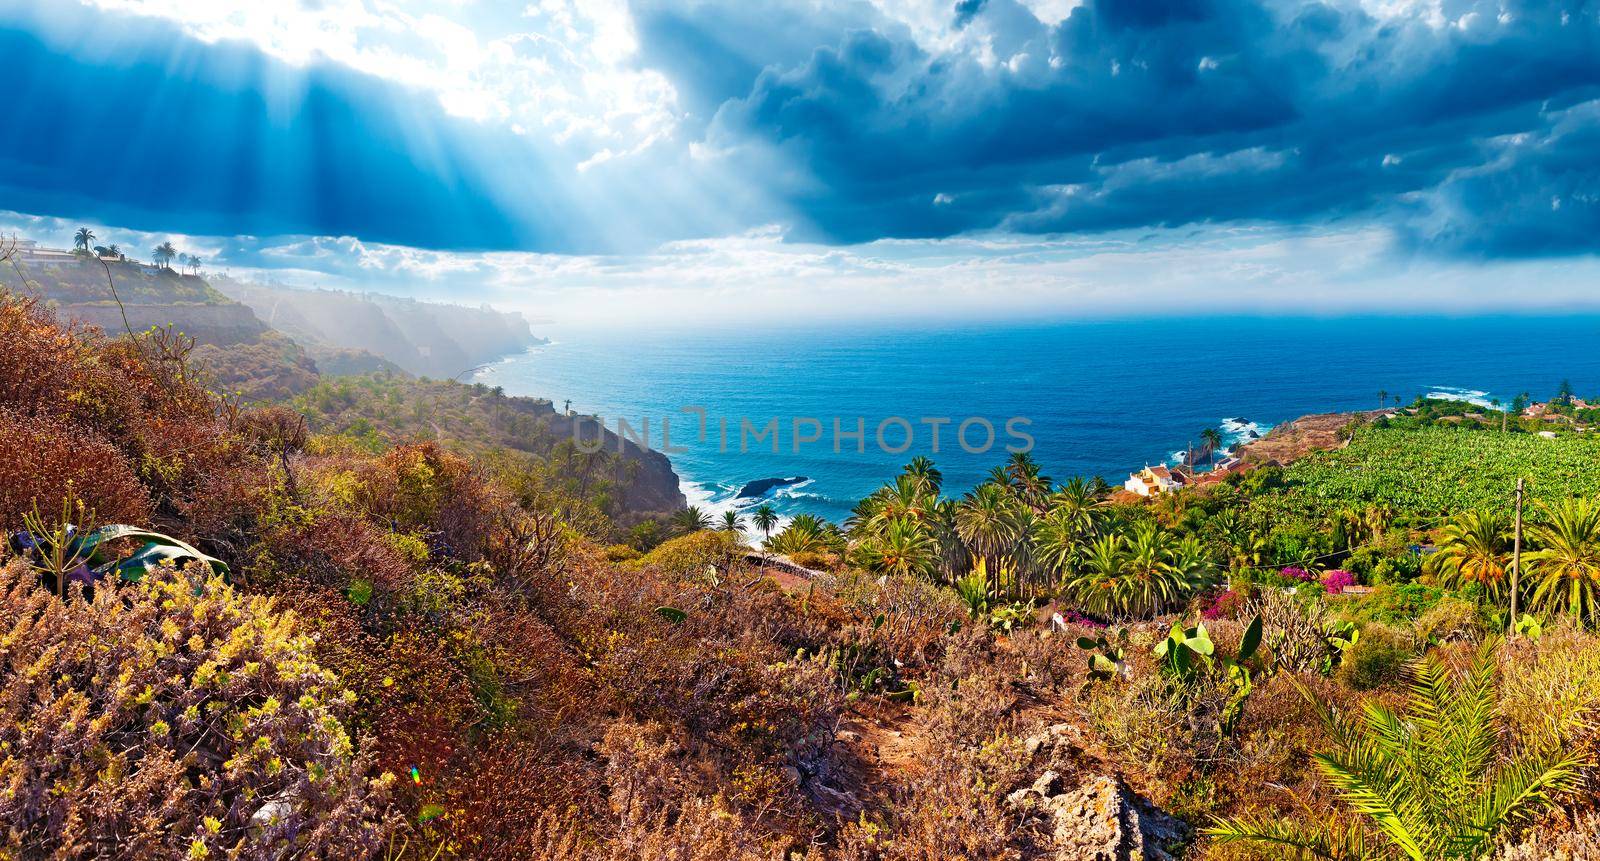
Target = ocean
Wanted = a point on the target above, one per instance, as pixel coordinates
(1096, 397)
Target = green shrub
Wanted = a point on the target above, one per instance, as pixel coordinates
(1451, 619)
(697, 554)
(1378, 658)
(621, 553)
(1395, 604)
(815, 560)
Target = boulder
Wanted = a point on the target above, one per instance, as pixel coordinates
(1102, 821)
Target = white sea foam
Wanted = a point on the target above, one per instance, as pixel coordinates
(1476, 397)
(715, 498)
(1234, 432)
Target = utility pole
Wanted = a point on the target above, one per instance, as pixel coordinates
(1516, 560)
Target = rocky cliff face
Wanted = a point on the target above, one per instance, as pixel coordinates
(219, 325)
(424, 338)
(652, 486)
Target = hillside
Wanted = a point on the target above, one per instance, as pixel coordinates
(241, 354)
(424, 338)
(384, 409)
(400, 653)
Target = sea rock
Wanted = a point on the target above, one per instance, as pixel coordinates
(1102, 820)
(759, 487)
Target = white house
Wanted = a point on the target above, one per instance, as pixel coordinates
(1153, 480)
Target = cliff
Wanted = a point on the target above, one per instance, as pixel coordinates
(393, 408)
(308, 336)
(242, 355)
(424, 338)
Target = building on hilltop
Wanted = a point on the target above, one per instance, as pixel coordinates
(1153, 480)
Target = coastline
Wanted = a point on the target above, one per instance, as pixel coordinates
(1095, 409)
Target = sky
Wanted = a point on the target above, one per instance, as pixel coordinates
(725, 160)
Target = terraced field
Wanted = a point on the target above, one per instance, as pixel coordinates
(1436, 470)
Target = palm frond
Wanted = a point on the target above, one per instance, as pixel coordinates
(1307, 841)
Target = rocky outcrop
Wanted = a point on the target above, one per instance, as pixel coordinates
(1089, 816)
(649, 483)
(760, 487)
(220, 325)
(425, 338)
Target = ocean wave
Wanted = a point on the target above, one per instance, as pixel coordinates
(1476, 397)
(1235, 431)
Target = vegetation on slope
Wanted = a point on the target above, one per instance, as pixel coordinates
(1436, 470)
(467, 673)
(522, 434)
(424, 338)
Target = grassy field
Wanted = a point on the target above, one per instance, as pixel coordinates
(1430, 471)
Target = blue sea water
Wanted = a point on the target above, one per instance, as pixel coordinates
(1101, 397)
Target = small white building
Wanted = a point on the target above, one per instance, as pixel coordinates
(1153, 480)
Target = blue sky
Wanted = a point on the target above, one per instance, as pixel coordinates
(730, 159)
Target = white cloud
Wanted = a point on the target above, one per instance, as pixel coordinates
(561, 70)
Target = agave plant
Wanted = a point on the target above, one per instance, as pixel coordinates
(1427, 785)
(62, 553)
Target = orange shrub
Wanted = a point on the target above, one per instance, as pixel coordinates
(41, 457)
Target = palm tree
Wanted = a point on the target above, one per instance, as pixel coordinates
(806, 533)
(1567, 563)
(164, 253)
(82, 238)
(183, 260)
(927, 476)
(1383, 398)
(1079, 501)
(1430, 785)
(1194, 564)
(1024, 477)
(1152, 582)
(903, 499)
(1057, 542)
(731, 522)
(903, 547)
(114, 250)
(1100, 573)
(1211, 438)
(765, 519)
(987, 521)
(194, 263)
(690, 519)
(1473, 549)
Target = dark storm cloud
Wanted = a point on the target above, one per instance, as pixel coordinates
(1472, 129)
(144, 127)
(1169, 112)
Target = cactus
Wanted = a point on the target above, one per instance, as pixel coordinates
(1185, 651)
(1107, 658)
(1188, 652)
